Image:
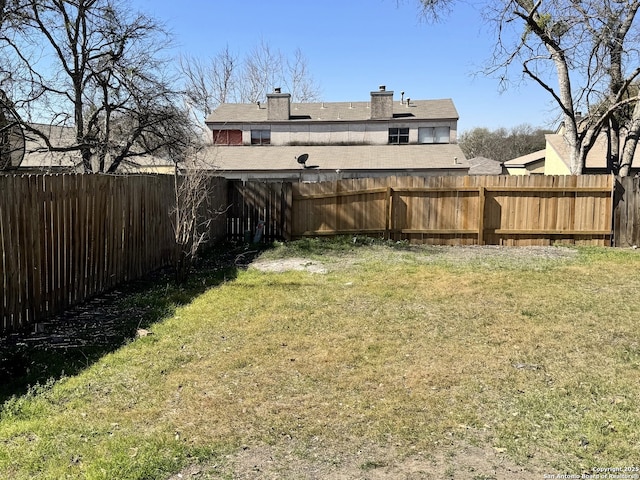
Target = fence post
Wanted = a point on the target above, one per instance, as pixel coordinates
(615, 212)
(388, 213)
(287, 209)
(481, 207)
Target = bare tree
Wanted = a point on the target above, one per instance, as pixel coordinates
(3, 9)
(190, 223)
(227, 78)
(212, 82)
(583, 53)
(298, 80)
(630, 141)
(262, 70)
(95, 67)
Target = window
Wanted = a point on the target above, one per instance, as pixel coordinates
(398, 135)
(260, 137)
(433, 135)
(227, 137)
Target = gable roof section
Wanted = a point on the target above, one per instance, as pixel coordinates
(526, 160)
(443, 109)
(484, 166)
(336, 157)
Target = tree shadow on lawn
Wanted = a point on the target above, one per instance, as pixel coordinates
(72, 341)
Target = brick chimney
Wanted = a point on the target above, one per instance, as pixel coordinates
(278, 105)
(382, 103)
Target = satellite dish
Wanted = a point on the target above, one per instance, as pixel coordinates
(12, 143)
(302, 159)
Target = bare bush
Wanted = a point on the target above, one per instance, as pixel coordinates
(193, 212)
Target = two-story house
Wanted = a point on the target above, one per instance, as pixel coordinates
(333, 140)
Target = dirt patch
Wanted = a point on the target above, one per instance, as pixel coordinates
(376, 463)
(367, 462)
(287, 264)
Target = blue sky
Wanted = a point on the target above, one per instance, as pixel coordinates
(353, 46)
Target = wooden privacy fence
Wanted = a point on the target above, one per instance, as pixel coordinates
(627, 212)
(66, 238)
(478, 210)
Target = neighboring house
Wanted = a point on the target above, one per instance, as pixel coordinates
(554, 159)
(557, 156)
(38, 159)
(485, 166)
(338, 140)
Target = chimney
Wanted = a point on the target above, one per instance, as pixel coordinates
(381, 103)
(278, 105)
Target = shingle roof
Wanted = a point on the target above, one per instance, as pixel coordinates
(336, 111)
(484, 166)
(37, 155)
(526, 159)
(334, 157)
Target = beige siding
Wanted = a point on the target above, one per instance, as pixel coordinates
(554, 165)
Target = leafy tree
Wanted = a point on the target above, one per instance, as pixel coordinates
(502, 144)
(583, 53)
(95, 67)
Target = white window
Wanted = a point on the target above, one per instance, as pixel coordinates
(433, 135)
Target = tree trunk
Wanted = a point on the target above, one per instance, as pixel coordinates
(571, 134)
(183, 264)
(630, 142)
(86, 160)
(613, 145)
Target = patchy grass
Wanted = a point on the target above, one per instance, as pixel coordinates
(77, 338)
(412, 350)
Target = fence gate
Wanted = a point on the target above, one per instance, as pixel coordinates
(259, 211)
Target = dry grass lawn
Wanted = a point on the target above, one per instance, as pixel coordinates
(361, 362)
